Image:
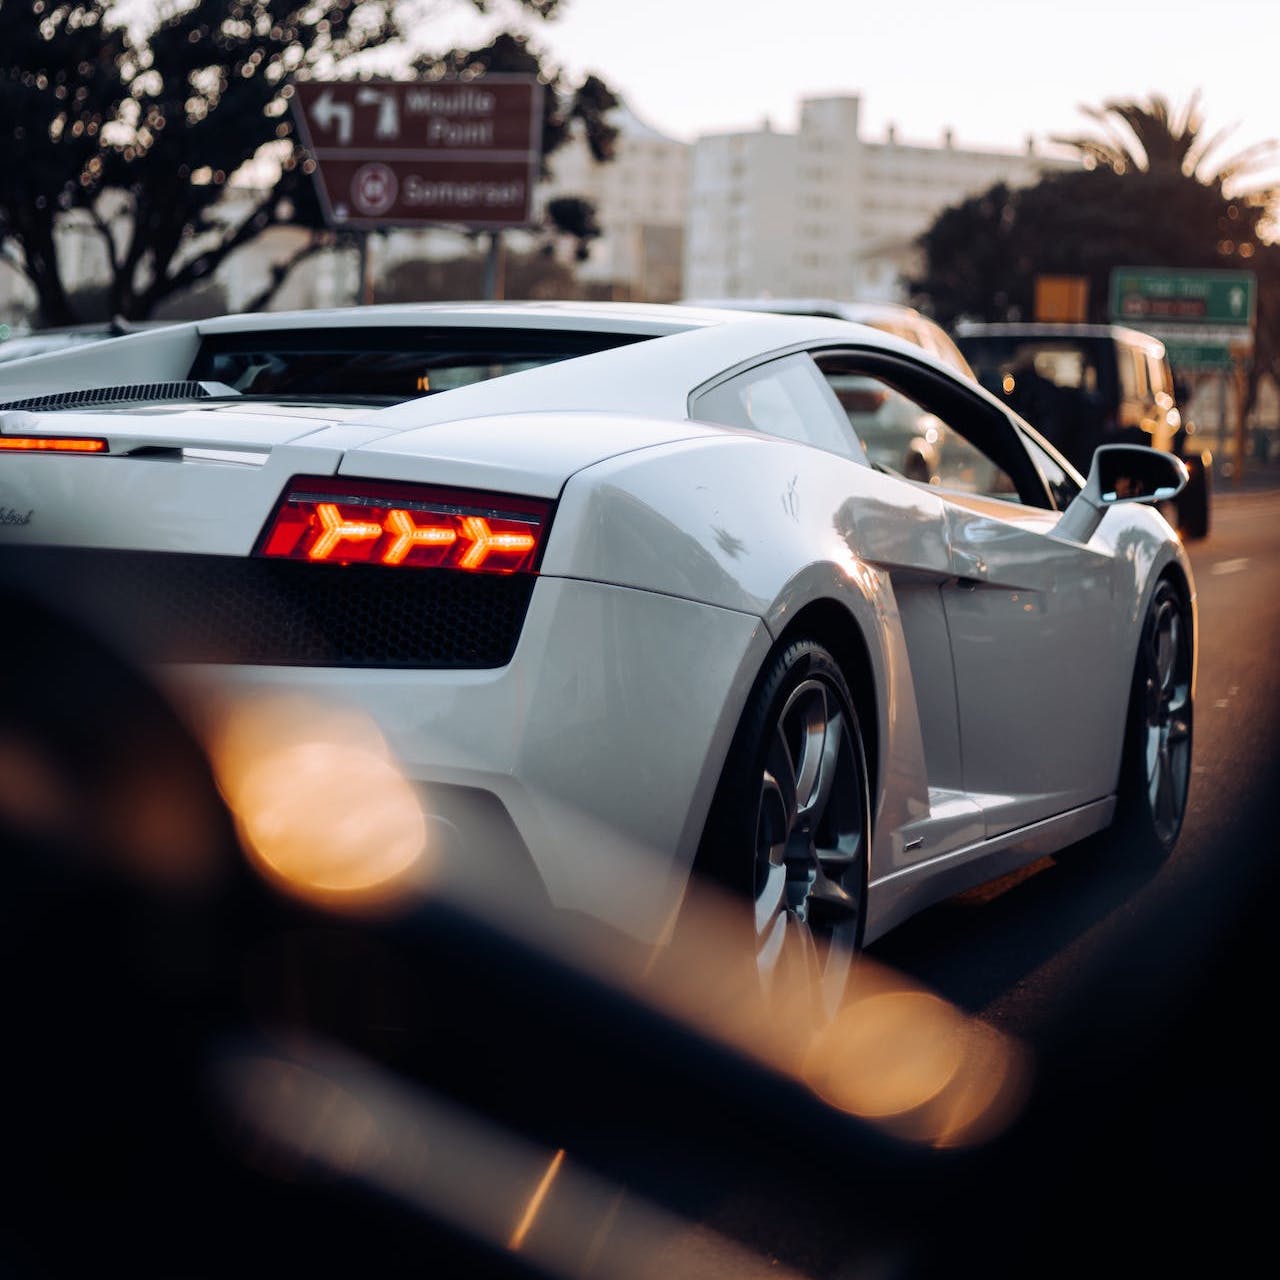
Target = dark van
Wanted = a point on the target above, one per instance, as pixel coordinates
(1084, 385)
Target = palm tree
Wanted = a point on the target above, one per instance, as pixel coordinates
(1154, 136)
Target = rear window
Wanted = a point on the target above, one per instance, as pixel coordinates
(384, 366)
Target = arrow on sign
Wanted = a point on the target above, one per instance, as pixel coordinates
(388, 125)
(1237, 300)
(326, 111)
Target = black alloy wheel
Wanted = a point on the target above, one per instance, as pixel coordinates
(790, 826)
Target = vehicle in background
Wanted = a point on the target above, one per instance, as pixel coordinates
(1082, 385)
(894, 434)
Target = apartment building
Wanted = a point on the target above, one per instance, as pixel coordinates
(823, 211)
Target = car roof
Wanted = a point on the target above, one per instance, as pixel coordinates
(891, 317)
(1040, 329)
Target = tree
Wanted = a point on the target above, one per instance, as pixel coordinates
(1153, 136)
(1155, 194)
(141, 134)
(1152, 190)
(55, 108)
(981, 257)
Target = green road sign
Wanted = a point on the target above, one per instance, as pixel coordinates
(1154, 295)
(1194, 357)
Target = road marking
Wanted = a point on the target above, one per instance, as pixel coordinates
(1230, 566)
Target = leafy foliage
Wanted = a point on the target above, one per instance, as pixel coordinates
(1154, 136)
(139, 135)
(982, 256)
(56, 108)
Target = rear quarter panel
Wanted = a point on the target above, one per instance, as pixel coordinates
(767, 528)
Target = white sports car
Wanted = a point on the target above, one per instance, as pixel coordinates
(626, 597)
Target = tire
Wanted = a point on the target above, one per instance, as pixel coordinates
(790, 825)
(1155, 768)
(1193, 501)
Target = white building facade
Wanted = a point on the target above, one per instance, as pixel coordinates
(824, 212)
(641, 198)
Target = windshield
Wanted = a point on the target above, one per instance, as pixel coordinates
(387, 365)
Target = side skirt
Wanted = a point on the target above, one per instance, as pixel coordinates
(893, 898)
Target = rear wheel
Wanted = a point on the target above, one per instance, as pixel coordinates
(1155, 771)
(789, 828)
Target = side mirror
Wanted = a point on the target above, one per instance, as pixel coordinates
(1121, 473)
(1135, 473)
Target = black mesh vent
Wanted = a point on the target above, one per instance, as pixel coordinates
(149, 392)
(190, 608)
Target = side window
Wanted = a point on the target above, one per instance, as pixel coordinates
(902, 435)
(786, 398)
(1059, 481)
(929, 427)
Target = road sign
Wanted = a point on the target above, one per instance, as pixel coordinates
(1142, 295)
(397, 153)
(1204, 318)
(1062, 299)
(1198, 357)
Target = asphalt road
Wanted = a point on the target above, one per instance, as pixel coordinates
(1016, 952)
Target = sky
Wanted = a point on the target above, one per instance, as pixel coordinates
(993, 71)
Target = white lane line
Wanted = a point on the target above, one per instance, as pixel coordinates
(1230, 566)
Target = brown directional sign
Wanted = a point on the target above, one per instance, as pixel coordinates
(397, 153)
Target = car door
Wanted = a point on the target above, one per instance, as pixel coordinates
(1029, 618)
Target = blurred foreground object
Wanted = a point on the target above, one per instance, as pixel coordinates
(199, 1057)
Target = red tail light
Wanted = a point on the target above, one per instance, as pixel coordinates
(52, 444)
(338, 521)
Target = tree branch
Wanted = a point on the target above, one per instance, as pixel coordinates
(205, 263)
(104, 230)
(281, 271)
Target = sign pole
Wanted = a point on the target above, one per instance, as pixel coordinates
(364, 269)
(1237, 378)
(1224, 426)
(495, 268)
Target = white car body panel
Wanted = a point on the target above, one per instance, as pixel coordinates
(998, 655)
(529, 733)
(532, 454)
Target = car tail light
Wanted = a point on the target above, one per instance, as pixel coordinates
(52, 444)
(335, 521)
